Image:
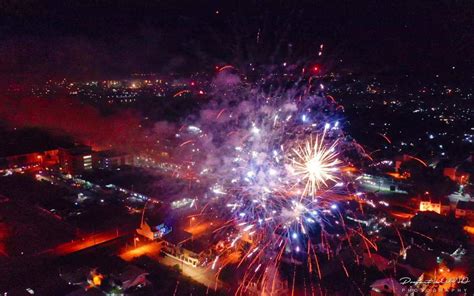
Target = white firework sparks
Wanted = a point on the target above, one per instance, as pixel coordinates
(316, 163)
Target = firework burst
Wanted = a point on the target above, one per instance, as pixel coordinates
(272, 156)
(315, 163)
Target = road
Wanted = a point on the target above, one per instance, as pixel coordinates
(149, 249)
(84, 243)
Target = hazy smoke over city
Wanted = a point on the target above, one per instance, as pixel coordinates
(64, 116)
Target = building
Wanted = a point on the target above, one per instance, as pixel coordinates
(27, 148)
(437, 205)
(30, 159)
(174, 246)
(75, 160)
(182, 247)
(109, 159)
(117, 283)
(154, 226)
(465, 209)
(176, 242)
(153, 232)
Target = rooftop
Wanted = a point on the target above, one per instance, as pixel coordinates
(177, 236)
(196, 245)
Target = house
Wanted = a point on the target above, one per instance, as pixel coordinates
(109, 159)
(431, 204)
(154, 232)
(174, 247)
(155, 225)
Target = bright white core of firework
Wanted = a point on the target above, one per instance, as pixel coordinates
(316, 163)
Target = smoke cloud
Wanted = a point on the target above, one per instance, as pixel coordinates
(121, 131)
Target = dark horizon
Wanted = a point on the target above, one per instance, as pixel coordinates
(55, 39)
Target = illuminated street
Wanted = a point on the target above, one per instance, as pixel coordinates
(84, 243)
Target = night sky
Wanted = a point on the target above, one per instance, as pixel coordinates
(88, 39)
